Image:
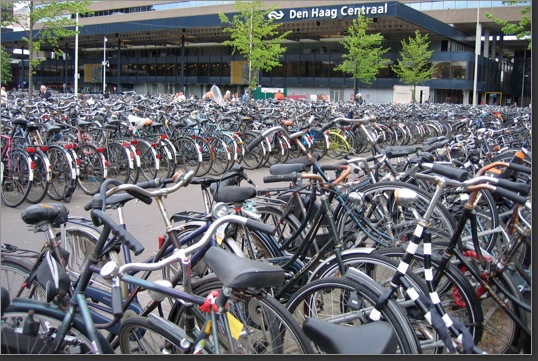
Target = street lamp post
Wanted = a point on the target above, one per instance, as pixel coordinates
(104, 64)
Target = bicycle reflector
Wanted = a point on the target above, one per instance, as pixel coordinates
(30, 150)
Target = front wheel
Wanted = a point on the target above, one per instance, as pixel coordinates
(16, 178)
(150, 336)
(14, 341)
(347, 302)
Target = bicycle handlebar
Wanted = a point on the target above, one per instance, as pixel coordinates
(180, 254)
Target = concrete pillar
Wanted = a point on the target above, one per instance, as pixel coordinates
(494, 47)
(486, 42)
(501, 47)
(466, 96)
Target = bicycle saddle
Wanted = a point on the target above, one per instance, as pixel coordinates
(238, 272)
(371, 339)
(55, 213)
(231, 193)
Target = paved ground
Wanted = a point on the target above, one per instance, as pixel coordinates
(143, 221)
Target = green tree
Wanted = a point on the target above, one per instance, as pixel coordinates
(363, 59)
(5, 61)
(255, 36)
(415, 66)
(522, 30)
(45, 23)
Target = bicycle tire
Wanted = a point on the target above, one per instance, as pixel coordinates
(119, 162)
(150, 336)
(40, 183)
(290, 339)
(338, 145)
(92, 168)
(49, 320)
(254, 158)
(189, 156)
(221, 156)
(149, 163)
(63, 178)
(16, 178)
(167, 161)
(376, 227)
(14, 272)
(380, 266)
(207, 156)
(310, 301)
(466, 307)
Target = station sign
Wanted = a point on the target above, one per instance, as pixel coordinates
(330, 12)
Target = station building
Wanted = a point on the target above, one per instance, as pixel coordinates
(163, 47)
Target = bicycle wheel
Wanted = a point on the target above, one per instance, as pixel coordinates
(254, 158)
(381, 267)
(502, 335)
(338, 145)
(347, 302)
(167, 161)
(149, 163)
(40, 184)
(63, 178)
(207, 156)
(455, 292)
(14, 272)
(376, 219)
(148, 336)
(119, 162)
(16, 178)
(278, 153)
(221, 156)
(92, 169)
(320, 143)
(189, 156)
(267, 327)
(14, 341)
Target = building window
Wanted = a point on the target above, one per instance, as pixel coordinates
(442, 70)
(459, 69)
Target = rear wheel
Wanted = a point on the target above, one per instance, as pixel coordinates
(347, 302)
(63, 177)
(40, 184)
(14, 341)
(92, 169)
(16, 178)
(119, 163)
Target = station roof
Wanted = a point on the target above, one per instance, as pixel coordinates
(395, 20)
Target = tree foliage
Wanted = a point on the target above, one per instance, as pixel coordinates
(255, 36)
(522, 30)
(5, 61)
(45, 24)
(363, 59)
(415, 66)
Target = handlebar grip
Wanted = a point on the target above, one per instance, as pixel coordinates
(137, 195)
(520, 168)
(124, 236)
(333, 166)
(521, 188)
(450, 172)
(259, 226)
(254, 143)
(148, 184)
(280, 178)
(501, 192)
(117, 306)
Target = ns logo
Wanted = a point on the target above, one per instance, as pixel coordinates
(276, 15)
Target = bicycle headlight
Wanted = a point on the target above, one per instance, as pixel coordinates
(405, 197)
(356, 198)
(220, 210)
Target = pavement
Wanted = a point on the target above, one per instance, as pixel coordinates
(143, 221)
